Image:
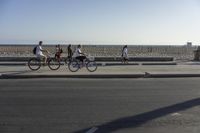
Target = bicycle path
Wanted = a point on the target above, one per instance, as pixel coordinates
(127, 71)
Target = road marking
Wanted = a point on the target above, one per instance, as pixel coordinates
(175, 114)
(92, 130)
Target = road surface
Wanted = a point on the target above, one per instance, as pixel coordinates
(100, 105)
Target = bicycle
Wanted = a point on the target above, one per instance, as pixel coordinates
(36, 62)
(67, 60)
(75, 64)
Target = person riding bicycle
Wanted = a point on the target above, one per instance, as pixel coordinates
(59, 51)
(79, 55)
(40, 50)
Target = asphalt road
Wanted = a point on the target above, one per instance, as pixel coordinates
(100, 105)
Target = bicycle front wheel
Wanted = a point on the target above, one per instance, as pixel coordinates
(91, 66)
(73, 66)
(54, 64)
(66, 61)
(34, 64)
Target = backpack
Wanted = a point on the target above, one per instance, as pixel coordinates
(34, 50)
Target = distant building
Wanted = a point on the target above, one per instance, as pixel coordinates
(189, 44)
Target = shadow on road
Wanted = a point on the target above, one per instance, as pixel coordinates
(17, 72)
(140, 119)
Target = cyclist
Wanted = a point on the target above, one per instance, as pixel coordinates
(40, 50)
(59, 51)
(79, 55)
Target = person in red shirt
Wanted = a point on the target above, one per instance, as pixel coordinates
(59, 51)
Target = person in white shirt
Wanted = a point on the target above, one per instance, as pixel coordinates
(79, 55)
(125, 54)
(40, 50)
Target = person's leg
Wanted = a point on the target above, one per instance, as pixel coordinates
(123, 60)
(44, 57)
(78, 58)
(83, 59)
(126, 60)
(58, 57)
(70, 58)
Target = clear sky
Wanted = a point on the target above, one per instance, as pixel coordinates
(100, 21)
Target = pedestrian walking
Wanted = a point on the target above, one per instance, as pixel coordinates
(125, 54)
(69, 52)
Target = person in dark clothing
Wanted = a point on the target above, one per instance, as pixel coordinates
(69, 51)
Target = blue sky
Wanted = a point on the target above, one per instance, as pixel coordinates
(100, 21)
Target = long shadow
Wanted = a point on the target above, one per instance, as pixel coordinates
(17, 72)
(140, 119)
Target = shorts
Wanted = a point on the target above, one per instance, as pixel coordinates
(125, 58)
(41, 55)
(57, 55)
(81, 58)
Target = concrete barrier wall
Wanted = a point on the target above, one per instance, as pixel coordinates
(178, 52)
(100, 59)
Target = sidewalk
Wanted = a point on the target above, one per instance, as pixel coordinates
(187, 69)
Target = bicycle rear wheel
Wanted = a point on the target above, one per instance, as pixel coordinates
(91, 66)
(54, 64)
(67, 61)
(34, 64)
(73, 66)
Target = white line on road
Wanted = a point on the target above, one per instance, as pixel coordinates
(175, 114)
(92, 130)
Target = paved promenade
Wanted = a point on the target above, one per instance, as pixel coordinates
(183, 69)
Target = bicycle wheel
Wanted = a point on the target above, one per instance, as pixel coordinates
(34, 64)
(73, 66)
(91, 66)
(66, 61)
(54, 64)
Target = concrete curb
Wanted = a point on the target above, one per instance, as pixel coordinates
(12, 76)
(13, 64)
(100, 76)
(151, 64)
(172, 75)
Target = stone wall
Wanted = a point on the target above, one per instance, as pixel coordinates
(178, 52)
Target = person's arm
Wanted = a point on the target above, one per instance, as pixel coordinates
(79, 51)
(44, 50)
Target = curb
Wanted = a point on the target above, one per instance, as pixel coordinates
(172, 75)
(13, 64)
(12, 76)
(100, 76)
(151, 64)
